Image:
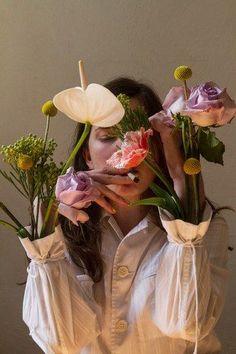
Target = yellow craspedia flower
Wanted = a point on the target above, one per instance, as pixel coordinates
(182, 73)
(49, 109)
(192, 166)
(25, 162)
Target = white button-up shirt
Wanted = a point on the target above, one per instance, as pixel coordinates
(162, 292)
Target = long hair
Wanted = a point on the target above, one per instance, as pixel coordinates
(84, 242)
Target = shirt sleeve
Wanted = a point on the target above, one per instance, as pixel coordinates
(193, 276)
(60, 314)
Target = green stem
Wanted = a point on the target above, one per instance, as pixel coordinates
(190, 134)
(42, 163)
(77, 147)
(194, 214)
(68, 163)
(30, 182)
(9, 179)
(164, 180)
(196, 200)
(13, 218)
(46, 133)
(7, 224)
(184, 139)
(197, 141)
(185, 90)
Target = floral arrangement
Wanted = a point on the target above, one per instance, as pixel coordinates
(191, 114)
(33, 171)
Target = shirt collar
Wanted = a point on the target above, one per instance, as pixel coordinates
(148, 223)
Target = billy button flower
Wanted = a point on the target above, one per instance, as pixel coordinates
(24, 162)
(49, 109)
(192, 166)
(183, 73)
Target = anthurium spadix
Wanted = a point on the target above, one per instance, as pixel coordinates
(95, 105)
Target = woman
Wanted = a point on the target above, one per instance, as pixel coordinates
(139, 282)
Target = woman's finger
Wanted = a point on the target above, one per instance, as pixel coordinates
(105, 178)
(111, 195)
(162, 124)
(73, 214)
(105, 204)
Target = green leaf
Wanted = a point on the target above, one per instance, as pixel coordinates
(161, 193)
(210, 147)
(158, 202)
(7, 224)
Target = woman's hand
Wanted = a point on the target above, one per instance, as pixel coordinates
(75, 191)
(174, 158)
(105, 177)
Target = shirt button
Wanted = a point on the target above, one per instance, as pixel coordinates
(121, 326)
(123, 271)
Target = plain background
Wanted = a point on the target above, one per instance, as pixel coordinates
(40, 44)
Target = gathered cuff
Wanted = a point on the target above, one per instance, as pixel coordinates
(185, 233)
(45, 249)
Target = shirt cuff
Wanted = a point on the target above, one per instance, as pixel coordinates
(48, 248)
(182, 232)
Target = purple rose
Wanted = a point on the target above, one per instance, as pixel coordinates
(76, 189)
(204, 96)
(209, 105)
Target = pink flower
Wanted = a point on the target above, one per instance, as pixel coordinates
(174, 101)
(74, 191)
(209, 105)
(133, 150)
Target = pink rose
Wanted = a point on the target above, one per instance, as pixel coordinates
(133, 150)
(74, 191)
(209, 105)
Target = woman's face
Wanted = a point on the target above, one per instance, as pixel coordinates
(101, 146)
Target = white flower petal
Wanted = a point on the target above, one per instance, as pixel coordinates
(104, 108)
(73, 102)
(178, 105)
(96, 105)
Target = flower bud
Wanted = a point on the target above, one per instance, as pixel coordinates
(25, 162)
(49, 109)
(182, 73)
(192, 166)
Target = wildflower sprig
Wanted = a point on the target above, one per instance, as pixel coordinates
(32, 171)
(28, 158)
(133, 119)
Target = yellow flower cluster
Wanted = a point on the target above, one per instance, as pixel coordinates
(24, 162)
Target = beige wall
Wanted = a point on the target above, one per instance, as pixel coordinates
(40, 43)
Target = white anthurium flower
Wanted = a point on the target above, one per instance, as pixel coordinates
(95, 105)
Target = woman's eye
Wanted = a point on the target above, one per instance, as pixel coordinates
(107, 137)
